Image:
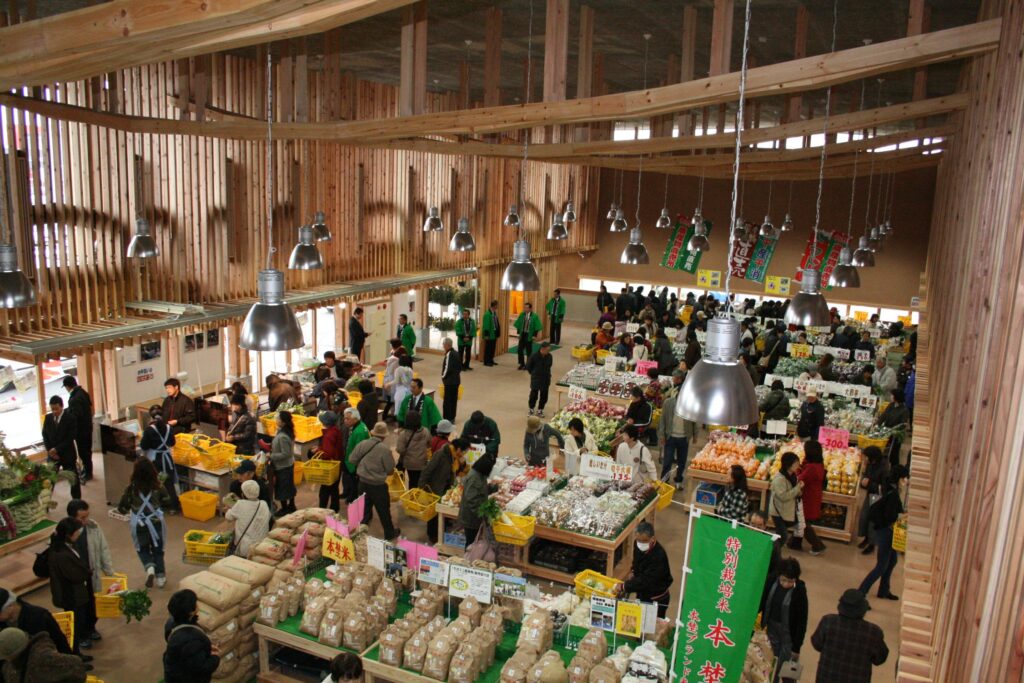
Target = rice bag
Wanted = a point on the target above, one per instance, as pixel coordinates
(270, 610)
(332, 628)
(472, 610)
(392, 642)
(415, 650)
(242, 570)
(313, 615)
(594, 645)
(357, 632)
(439, 656)
(252, 599)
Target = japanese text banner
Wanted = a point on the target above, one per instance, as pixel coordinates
(723, 591)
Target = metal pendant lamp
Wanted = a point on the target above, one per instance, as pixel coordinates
(305, 255)
(699, 241)
(845, 273)
(570, 213)
(808, 307)
(142, 244)
(462, 240)
(433, 222)
(664, 220)
(320, 230)
(767, 229)
(15, 289)
(512, 217)
(875, 240)
(787, 224)
(635, 253)
(612, 210)
(271, 324)
(863, 257)
(520, 275)
(557, 231)
(619, 224)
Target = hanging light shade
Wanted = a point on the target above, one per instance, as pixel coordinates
(635, 253)
(557, 230)
(512, 217)
(15, 289)
(520, 275)
(886, 228)
(844, 274)
(142, 244)
(787, 224)
(699, 241)
(863, 257)
(664, 220)
(612, 210)
(320, 230)
(767, 229)
(271, 324)
(808, 307)
(718, 390)
(305, 255)
(433, 222)
(462, 240)
(619, 224)
(570, 213)
(875, 240)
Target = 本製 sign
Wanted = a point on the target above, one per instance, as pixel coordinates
(830, 437)
(337, 547)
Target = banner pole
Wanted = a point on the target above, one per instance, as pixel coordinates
(694, 512)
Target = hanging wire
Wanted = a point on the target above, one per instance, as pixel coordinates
(824, 142)
(622, 185)
(527, 132)
(789, 202)
(700, 191)
(270, 161)
(770, 182)
(853, 183)
(665, 202)
(640, 169)
(5, 223)
(882, 198)
(892, 194)
(871, 178)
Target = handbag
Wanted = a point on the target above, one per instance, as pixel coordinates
(763, 361)
(483, 547)
(791, 669)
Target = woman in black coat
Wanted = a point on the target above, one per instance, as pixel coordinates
(368, 404)
(189, 657)
(71, 576)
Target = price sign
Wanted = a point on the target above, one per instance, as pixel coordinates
(768, 379)
(842, 354)
(337, 547)
(671, 332)
(600, 467)
(862, 316)
(577, 393)
(833, 438)
(632, 328)
(433, 571)
(875, 333)
(800, 350)
(868, 401)
(629, 619)
(642, 366)
(614, 363)
(787, 382)
(775, 426)
(800, 385)
(862, 355)
(821, 350)
(465, 581)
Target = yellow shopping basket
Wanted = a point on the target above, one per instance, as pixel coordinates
(420, 504)
(108, 606)
(396, 486)
(66, 622)
(320, 471)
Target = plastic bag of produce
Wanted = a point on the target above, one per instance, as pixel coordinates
(242, 570)
(216, 591)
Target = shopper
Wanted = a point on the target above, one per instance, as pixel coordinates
(178, 409)
(413, 446)
(528, 326)
(282, 462)
(332, 449)
(482, 430)
(539, 367)
(451, 379)
(246, 471)
(401, 385)
(16, 613)
(345, 668)
(71, 578)
(849, 646)
(775, 405)
(662, 353)
(59, 442)
(283, 392)
(424, 405)
(189, 657)
(357, 335)
(475, 490)
(156, 442)
(634, 453)
(882, 515)
(241, 431)
(580, 441)
(536, 441)
(785, 489)
(895, 416)
(865, 343)
(604, 300)
(735, 501)
(369, 403)
(442, 435)
(876, 472)
(650, 578)
(92, 547)
(36, 659)
(556, 314)
(605, 336)
(252, 518)
(884, 380)
(812, 416)
(375, 461)
(759, 521)
(328, 369)
(675, 434)
(465, 332)
(145, 499)
(784, 614)
(388, 378)
(812, 476)
(438, 475)
(490, 330)
(80, 406)
(624, 349)
(826, 369)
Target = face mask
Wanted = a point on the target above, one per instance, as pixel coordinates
(643, 547)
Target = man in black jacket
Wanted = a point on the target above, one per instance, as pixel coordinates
(651, 576)
(784, 612)
(357, 334)
(451, 378)
(80, 406)
(812, 416)
(539, 367)
(15, 612)
(178, 409)
(190, 657)
(604, 300)
(59, 441)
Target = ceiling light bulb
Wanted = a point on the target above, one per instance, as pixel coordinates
(142, 244)
(512, 217)
(664, 220)
(15, 289)
(887, 228)
(863, 257)
(698, 218)
(320, 229)
(305, 255)
(462, 240)
(611, 211)
(433, 222)
(570, 213)
(844, 274)
(271, 324)
(520, 275)
(557, 230)
(718, 390)
(767, 229)
(699, 242)
(619, 224)
(635, 253)
(875, 240)
(787, 224)
(808, 307)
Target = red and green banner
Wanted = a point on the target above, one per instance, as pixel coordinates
(728, 565)
(825, 255)
(677, 256)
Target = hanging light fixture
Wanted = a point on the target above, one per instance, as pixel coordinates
(863, 257)
(142, 244)
(874, 240)
(767, 229)
(635, 253)
(16, 290)
(845, 273)
(718, 390)
(512, 217)
(619, 224)
(557, 230)
(699, 240)
(787, 222)
(808, 307)
(570, 213)
(270, 324)
(320, 230)
(462, 240)
(433, 222)
(305, 255)
(612, 211)
(665, 219)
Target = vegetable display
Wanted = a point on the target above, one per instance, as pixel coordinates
(842, 466)
(135, 604)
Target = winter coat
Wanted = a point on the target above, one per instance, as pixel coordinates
(884, 512)
(242, 433)
(80, 405)
(429, 414)
(373, 461)
(282, 450)
(894, 415)
(671, 424)
(812, 474)
(474, 493)
(412, 446)
(332, 447)
(34, 619)
(485, 432)
(535, 444)
(368, 409)
(70, 578)
(797, 609)
(784, 495)
(812, 417)
(188, 657)
(356, 436)
(651, 576)
(182, 409)
(437, 476)
(42, 663)
(59, 435)
(539, 367)
(100, 559)
(876, 473)
(663, 355)
(848, 647)
(775, 405)
(252, 522)
(451, 369)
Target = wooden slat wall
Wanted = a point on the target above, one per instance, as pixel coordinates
(206, 198)
(963, 603)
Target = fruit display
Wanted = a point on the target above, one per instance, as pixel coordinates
(619, 384)
(596, 407)
(453, 496)
(853, 420)
(725, 449)
(842, 466)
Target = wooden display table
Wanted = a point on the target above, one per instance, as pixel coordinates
(268, 637)
(18, 556)
(759, 488)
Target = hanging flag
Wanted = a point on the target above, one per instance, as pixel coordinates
(831, 260)
(813, 256)
(742, 252)
(722, 593)
(676, 247)
(691, 260)
(759, 260)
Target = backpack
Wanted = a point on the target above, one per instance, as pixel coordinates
(41, 565)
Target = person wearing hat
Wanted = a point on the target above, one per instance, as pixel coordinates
(418, 400)
(539, 367)
(32, 619)
(252, 518)
(812, 416)
(536, 439)
(849, 646)
(246, 471)
(490, 330)
(357, 433)
(241, 429)
(413, 446)
(480, 429)
(35, 659)
(439, 475)
(442, 435)
(332, 449)
(606, 336)
(784, 613)
(190, 657)
(374, 462)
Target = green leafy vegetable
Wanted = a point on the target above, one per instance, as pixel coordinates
(135, 605)
(489, 510)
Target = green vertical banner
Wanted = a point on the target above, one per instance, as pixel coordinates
(762, 256)
(675, 250)
(728, 565)
(691, 260)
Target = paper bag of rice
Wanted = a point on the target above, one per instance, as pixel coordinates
(415, 650)
(215, 590)
(210, 617)
(242, 570)
(392, 642)
(534, 674)
(464, 667)
(604, 673)
(357, 632)
(594, 645)
(439, 656)
(517, 666)
(472, 610)
(313, 615)
(580, 668)
(270, 610)
(536, 634)
(332, 628)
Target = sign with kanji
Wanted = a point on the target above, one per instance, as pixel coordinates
(337, 547)
(632, 328)
(464, 581)
(776, 284)
(740, 257)
(830, 437)
(642, 366)
(677, 256)
(600, 467)
(709, 278)
(868, 401)
(760, 258)
(862, 355)
(577, 393)
(629, 617)
(728, 565)
(800, 350)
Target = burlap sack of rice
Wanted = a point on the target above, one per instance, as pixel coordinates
(210, 617)
(415, 650)
(280, 577)
(314, 529)
(245, 571)
(332, 628)
(287, 563)
(264, 560)
(291, 521)
(247, 619)
(268, 547)
(225, 637)
(313, 615)
(227, 666)
(281, 533)
(246, 647)
(215, 590)
(392, 643)
(317, 515)
(270, 610)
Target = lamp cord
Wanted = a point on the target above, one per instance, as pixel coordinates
(270, 161)
(527, 132)
(771, 181)
(736, 159)
(853, 183)
(824, 143)
(5, 226)
(640, 169)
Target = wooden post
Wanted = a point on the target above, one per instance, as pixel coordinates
(556, 50)
(918, 20)
(492, 58)
(688, 63)
(464, 84)
(585, 61)
(419, 76)
(721, 37)
(412, 72)
(793, 102)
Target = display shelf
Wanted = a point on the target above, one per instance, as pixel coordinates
(19, 556)
(562, 397)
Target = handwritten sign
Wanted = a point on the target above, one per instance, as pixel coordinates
(671, 332)
(600, 467)
(464, 581)
(709, 278)
(337, 547)
(776, 284)
(642, 366)
(842, 354)
(862, 355)
(829, 437)
(632, 328)
(577, 393)
(868, 401)
(614, 363)
(375, 552)
(433, 571)
(800, 350)
(775, 426)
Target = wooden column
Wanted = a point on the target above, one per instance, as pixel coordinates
(794, 102)
(492, 58)
(688, 63)
(585, 61)
(918, 20)
(556, 50)
(412, 76)
(721, 47)
(464, 84)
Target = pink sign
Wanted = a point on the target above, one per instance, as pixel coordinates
(829, 437)
(355, 513)
(336, 525)
(300, 548)
(642, 366)
(416, 551)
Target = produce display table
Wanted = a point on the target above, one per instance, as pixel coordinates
(18, 555)
(847, 508)
(562, 397)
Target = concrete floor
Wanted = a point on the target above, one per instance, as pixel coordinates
(132, 653)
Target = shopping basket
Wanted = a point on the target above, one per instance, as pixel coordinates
(298, 471)
(519, 532)
(316, 470)
(66, 622)
(198, 505)
(396, 486)
(108, 605)
(665, 493)
(588, 583)
(354, 397)
(899, 536)
(202, 550)
(184, 455)
(583, 353)
(866, 441)
(420, 504)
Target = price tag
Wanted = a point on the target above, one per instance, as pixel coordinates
(475, 452)
(800, 350)
(821, 350)
(768, 379)
(787, 382)
(775, 426)
(818, 386)
(671, 332)
(868, 401)
(858, 391)
(577, 393)
(833, 438)
(861, 355)
(599, 467)
(622, 472)
(614, 363)
(632, 328)
(800, 385)
(644, 365)
(842, 354)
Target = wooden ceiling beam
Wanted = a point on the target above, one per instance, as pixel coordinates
(556, 50)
